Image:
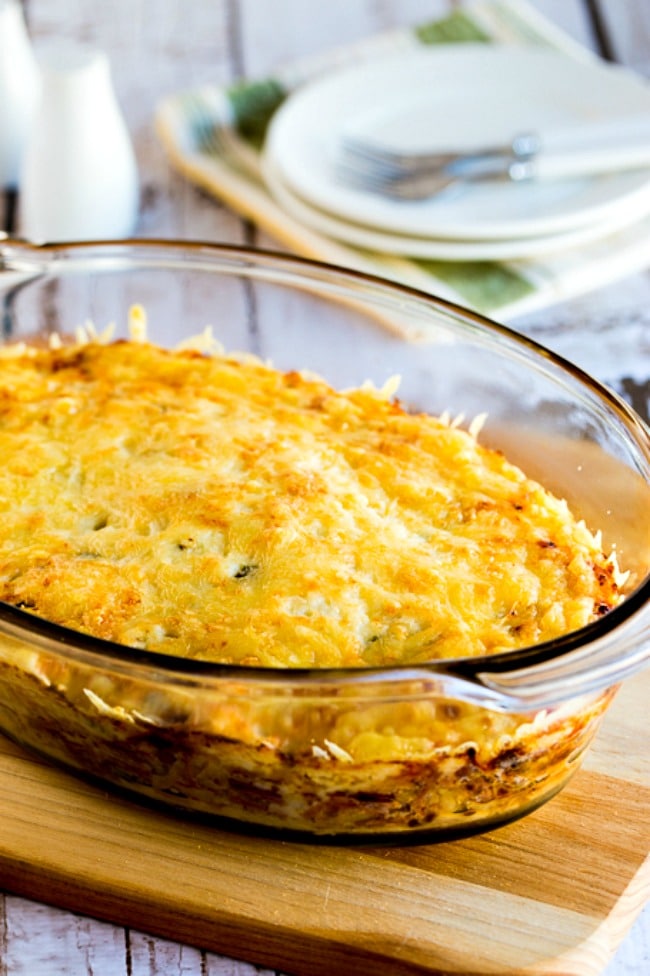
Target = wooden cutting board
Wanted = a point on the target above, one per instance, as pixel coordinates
(551, 894)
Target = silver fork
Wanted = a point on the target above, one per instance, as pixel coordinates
(415, 176)
(596, 147)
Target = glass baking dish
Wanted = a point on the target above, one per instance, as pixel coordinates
(428, 751)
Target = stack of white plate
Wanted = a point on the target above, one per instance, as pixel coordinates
(463, 96)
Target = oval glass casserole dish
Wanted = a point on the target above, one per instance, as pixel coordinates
(292, 729)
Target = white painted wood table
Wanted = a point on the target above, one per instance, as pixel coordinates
(160, 46)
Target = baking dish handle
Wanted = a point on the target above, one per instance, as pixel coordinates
(606, 661)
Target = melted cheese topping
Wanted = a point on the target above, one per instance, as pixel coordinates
(216, 508)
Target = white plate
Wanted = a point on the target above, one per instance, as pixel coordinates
(441, 249)
(458, 95)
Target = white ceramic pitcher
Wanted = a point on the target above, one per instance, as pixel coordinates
(18, 90)
(79, 178)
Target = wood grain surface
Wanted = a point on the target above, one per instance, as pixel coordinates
(553, 893)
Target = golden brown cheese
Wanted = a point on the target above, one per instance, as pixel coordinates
(213, 507)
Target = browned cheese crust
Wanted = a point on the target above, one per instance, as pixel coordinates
(211, 506)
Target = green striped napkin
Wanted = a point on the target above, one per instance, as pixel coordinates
(214, 137)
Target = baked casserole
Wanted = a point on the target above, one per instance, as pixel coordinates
(206, 506)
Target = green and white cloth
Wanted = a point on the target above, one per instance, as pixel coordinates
(214, 138)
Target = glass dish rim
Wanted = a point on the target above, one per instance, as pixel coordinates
(70, 643)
